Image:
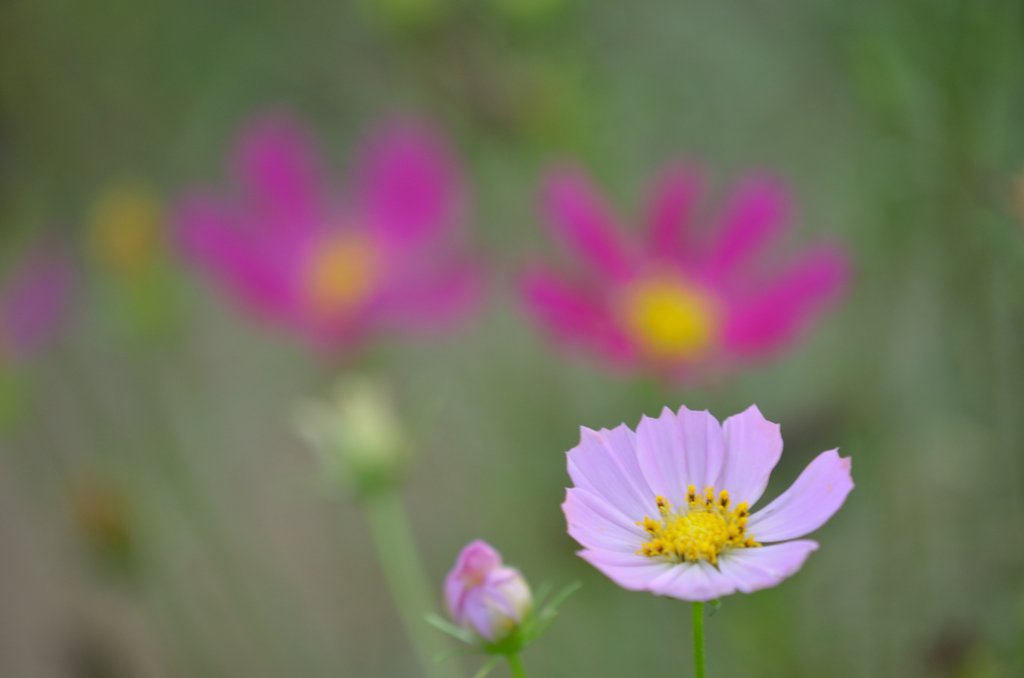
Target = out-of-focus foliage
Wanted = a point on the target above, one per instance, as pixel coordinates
(159, 516)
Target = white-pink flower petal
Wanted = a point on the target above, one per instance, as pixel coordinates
(808, 503)
(694, 582)
(597, 525)
(678, 451)
(628, 570)
(753, 446)
(703, 445)
(760, 568)
(605, 463)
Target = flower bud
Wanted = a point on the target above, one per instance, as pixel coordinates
(484, 596)
(357, 436)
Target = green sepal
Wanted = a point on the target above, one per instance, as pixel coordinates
(716, 605)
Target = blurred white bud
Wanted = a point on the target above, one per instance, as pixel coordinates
(356, 435)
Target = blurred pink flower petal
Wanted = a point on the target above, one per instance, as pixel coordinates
(671, 205)
(279, 170)
(34, 300)
(775, 317)
(663, 304)
(583, 223)
(756, 213)
(436, 297)
(408, 185)
(211, 236)
(667, 510)
(575, 317)
(335, 273)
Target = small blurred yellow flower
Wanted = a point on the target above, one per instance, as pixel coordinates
(1017, 196)
(126, 229)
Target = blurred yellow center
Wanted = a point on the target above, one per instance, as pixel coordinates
(669, 318)
(341, 274)
(126, 224)
(701, 530)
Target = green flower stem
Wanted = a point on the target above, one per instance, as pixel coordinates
(515, 663)
(698, 640)
(403, 572)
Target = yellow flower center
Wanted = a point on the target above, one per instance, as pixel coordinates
(702, 530)
(669, 318)
(341, 274)
(126, 225)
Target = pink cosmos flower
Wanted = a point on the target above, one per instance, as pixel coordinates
(485, 596)
(34, 300)
(335, 268)
(667, 509)
(665, 302)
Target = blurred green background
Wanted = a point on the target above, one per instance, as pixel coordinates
(160, 517)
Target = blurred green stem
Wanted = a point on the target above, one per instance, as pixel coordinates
(698, 640)
(403, 571)
(515, 663)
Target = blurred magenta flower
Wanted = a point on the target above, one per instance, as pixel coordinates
(34, 301)
(663, 301)
(484, 596)
(334, 270)
(667, 509)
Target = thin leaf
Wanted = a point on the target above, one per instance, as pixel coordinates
(542, 592)
(488, 667)
(543, 619)
(542, 625)
(442, 624)
(562, 595)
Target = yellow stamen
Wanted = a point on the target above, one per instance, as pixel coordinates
(670, 318)
(341, 274)
(702, 530)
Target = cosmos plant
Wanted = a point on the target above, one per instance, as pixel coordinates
(335, 267)
(668, 509)
(667, 301)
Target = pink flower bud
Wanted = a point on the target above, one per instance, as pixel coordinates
(483, 595)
